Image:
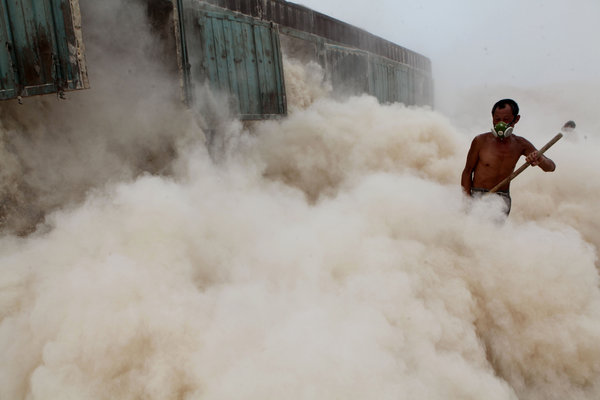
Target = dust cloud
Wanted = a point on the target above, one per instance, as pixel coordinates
(326, 255)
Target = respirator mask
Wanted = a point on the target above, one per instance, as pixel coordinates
(502, 130)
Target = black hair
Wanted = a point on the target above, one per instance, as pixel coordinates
(510, 102)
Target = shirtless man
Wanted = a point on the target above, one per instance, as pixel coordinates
(494, 155)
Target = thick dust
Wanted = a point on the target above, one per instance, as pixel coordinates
(329, 254)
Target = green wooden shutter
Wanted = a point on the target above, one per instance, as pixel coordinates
(41, 50)
(237, 55)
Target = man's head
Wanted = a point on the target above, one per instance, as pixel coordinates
(509, 107)
(505, 111)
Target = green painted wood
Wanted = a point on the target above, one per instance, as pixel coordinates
(183, 59)
(223, 79)
(209, 64)
(7, 75)
(228, 50)
(269, 78)
(238, 61)
(251, 67)
(41, 48)
(278, 98)
(237, 55)
(32, 43)
(261, 67)
(66, 72)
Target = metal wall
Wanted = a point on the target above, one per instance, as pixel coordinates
(304, 19)
(42, 48)
(356, 61)
(234, 46)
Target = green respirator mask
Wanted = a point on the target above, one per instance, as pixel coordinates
(502, 130)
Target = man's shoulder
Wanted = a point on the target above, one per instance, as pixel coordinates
(483, 137)
(524, 145)
(521, 140)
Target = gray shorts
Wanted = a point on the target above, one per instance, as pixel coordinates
(505, 195)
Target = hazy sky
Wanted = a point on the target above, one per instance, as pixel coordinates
(473, 42)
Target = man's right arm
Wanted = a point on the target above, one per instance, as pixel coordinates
(466, 180)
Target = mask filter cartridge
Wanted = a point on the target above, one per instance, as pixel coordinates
(502, 130)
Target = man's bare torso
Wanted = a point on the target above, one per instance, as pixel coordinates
(497, 159)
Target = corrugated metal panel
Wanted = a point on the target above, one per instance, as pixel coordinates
(391, 81)
(42, 49)
(347, 69)
(238, 55)
(353, 71)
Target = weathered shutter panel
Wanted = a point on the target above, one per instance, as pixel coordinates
(7, 74)
(42, 50)
(237, 55)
